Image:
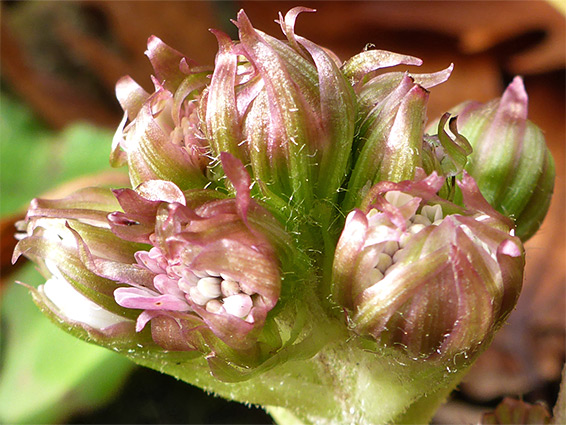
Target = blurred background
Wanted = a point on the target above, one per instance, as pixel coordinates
(59, 64)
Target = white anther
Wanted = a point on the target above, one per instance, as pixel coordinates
(416, 228)
(214, 274)
(396, 198)
(209, 287)
(437, 222)
(197, 297)
(214, 306)
(229, 287)
(421, 219)
(238, 305)
(374, 276)
(383, 262)
(390, 247)
(397, 256)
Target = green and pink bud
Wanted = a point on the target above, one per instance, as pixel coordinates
(160, 137)
(417, 272)
(202, 271)
(285, 108)
(390, 132)
(510, 161)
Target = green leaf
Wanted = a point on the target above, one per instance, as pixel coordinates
(46, 373)
(35, 159)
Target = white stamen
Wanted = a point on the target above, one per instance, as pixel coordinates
(238, 305)
(209, 287)
(421, 219)
(397, 256)
(383, 262)
(432, 212)
(197, 297)
(390, 247)
(229, 287)
(214, 306)
(374, 276)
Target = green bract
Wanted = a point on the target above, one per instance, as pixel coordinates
(510, 160)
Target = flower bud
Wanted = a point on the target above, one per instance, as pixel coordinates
(390, 130)
(162, 138)
(202, 269)
(283, 107)
(420, 273)
(207, 265)
(392, 134)
(510, 160)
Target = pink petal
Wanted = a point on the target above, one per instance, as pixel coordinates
(146, 300)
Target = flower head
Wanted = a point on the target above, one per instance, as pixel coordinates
(202, 268)
(207, 265)
(390, 130)
(418, 272)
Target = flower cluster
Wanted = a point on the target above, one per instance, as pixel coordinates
(427, 275)
(284, 201)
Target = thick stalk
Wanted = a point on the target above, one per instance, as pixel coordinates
(343, 383)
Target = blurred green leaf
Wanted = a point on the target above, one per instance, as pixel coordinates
(35, 159)
(46, 374)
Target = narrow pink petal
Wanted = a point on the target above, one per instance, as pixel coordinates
(363, 63)
(145, 317)
(166, 62)
(148, 300)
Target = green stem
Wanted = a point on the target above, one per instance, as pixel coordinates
(343, 383)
